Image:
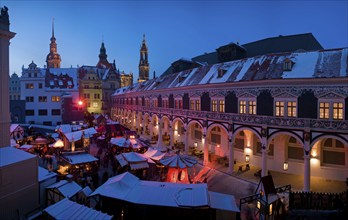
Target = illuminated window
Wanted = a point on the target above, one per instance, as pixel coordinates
(279, 108)
(252, 107)
(55, 99)
(198, 105)
(178, 103)
(338, 110)
(155, 103)
(242, 107)
(214, 106)
(292, 109)
(29, 86)
(165, 103)
(324, 108)
(221, 106)
(192, 105)
(95, 104)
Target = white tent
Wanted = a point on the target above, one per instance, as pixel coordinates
(130, 188)
(154, 153)
(66, 209)
(135, 160)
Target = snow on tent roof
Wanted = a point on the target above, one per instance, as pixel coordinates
(66, 209)
(154, 154)
(13, 127)
(129, 188)
(77, 135)
(79, 158)
(10, 155)
(67, 189)
(179, 161)
(45, 174)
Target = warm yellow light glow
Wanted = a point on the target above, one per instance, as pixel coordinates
(285, 166)
(195, 144)
(270, 209)
(218, 145)
(315, 162)
(247, 158)
(80, 102)
(258, 205)
(247, 150)
(314, 153)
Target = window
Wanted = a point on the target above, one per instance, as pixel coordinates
(86, 86)
(242, 107)
(55, 112)
(55, 98)
(95, 104)
(86, 95)
(221, 73)
(280, 109)
(239, 141)
(165, 103)
(295, 150)
(292, 109)
(48, 123)
(252, 107)
(29, 99)
(42, 98)
(222, 106)
(29, 86)
(324, 108)
(333, 152)
(197, 132)
(214, 106)
(97, 96)
(147, 102)
(192, 105)
(178, 103)
(338, 111)
(42, 111)
(198, 105)
(215, 135)
(40, 85)
(29, 112)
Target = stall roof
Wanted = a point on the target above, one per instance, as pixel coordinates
(154, 154)
(66, 209)
(10, 155)
(77, 135)
(78, 158)
(25, 146)
(44, 174)
(129, 188)
(66, 188)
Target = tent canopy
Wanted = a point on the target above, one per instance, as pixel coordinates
(179, 161)
(79, 158)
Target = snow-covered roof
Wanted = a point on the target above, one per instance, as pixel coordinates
(154, 154)
(77, 135)
(66, 188)
(44, 174)
(309, 64)
(71, 73)
(79, 158)
(10, 155)
(129, 188)
(66, 209)
(13, 127)
(25, 146)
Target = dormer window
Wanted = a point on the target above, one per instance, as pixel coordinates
(288, 63)
(221, 73)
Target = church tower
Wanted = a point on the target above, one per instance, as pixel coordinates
(53, 58)
(144, 63)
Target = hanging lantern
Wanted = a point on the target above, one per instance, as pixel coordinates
(285, 166)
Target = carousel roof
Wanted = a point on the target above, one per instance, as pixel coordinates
(154, 153)
(179, 161)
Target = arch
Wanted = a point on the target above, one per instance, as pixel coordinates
(290, 133)
(254, 131)
(325, 136)
(178, 119)
(212, 125)
(165, 117)
(195, 121)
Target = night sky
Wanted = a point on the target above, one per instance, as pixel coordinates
(173, 29)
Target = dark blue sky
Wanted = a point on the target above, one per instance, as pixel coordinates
(173, 29)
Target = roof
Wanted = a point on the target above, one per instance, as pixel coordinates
(314, 64)
(179, 161)
(67, 189)
(10, 155)
(13, 127)
(154, 154)
(61, 78)
(79, 158)
(77, 135)
(66, 209)
(129, 188)
(44, 174)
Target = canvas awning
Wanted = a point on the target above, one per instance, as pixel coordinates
(79, 158)
(179, 161)
(223, 202)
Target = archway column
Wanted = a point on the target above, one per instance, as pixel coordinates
(307, 173)
(160, 139)
(171, 133)
(231, 153)
(137, 122)
(186, 138)
(264, 157)
(150, 128)
(205, 149)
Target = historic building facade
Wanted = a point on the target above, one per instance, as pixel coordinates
(144, 67)
(284, 111)
(15, 88)
(126, 79)
(97, 83)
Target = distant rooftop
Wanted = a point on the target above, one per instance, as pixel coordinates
(11, 155)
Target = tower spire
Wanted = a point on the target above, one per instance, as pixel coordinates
(53, 27)
(143, 63)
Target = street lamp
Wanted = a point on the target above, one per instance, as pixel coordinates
(285, 166)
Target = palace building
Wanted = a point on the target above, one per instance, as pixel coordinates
(278, 103)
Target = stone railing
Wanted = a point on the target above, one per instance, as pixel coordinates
(327, 125)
